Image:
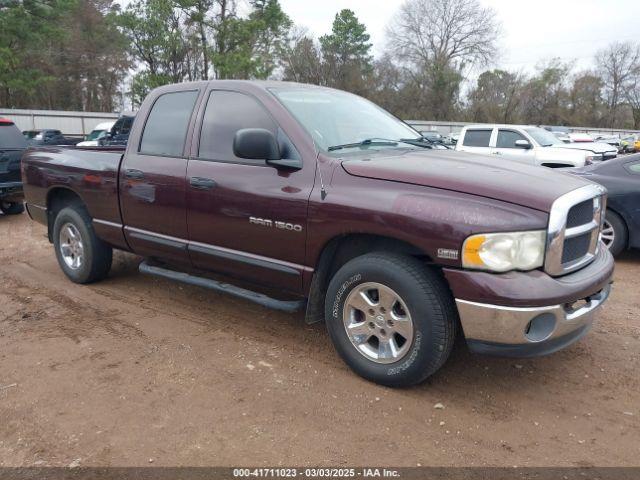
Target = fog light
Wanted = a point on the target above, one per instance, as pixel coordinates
(540, 328)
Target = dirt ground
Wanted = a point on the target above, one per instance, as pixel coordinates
(140, 371)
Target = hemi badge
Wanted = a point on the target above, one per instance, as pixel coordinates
(448, 253)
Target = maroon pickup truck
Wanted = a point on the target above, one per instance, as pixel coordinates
(315, 198)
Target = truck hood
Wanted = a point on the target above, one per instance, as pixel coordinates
(595, 147)
(509, 181)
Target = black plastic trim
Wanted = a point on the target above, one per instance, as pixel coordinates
(177, 244)
(526, 350)
(243, 259)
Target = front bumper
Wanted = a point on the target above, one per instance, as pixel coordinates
(527, 314)
(527, 332)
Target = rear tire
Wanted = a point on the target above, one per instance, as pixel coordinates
(374, 340)
(614, 233)
(12, 208)
(82, 256)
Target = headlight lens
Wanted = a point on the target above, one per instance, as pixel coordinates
(501, 252)
(593, 158)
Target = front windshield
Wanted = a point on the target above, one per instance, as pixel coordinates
(543, 137)
(335, 118)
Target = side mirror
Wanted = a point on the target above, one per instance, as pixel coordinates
(256, 144)
(523, 144)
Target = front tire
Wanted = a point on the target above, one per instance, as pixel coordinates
(614, 233)
(391, 318)
(82, 256)
(12, 208)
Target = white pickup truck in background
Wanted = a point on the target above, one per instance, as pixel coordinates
(527, 144)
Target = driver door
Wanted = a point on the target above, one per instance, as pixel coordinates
(506, 147)
(246, 218)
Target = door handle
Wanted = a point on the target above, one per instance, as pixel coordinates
(202, 183)
(497, 153)
(134, 174)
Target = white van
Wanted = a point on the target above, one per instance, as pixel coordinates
(526, 144)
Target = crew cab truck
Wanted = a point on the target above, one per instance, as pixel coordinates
(315, 198)
(528, 145)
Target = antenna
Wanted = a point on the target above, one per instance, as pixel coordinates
(323, 191)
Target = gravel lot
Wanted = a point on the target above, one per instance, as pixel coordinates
(139, 371)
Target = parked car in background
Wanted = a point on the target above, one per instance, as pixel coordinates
(118, 136)
(452, 139)
(562, 136)
(630, 144)
(579, 137)
(621, 177)
(522, 143)
(12, 145)
(600, 150)
(93, 139)
(613, 140)
(434, 138)
(48, 137)
(332, 204)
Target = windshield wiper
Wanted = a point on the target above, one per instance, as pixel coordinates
(364, 143)
(421, 142)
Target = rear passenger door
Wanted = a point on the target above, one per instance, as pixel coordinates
(246, 218)
(152, 179)
(506, 147)
(476, 140)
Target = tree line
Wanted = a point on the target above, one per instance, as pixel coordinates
(94, 55)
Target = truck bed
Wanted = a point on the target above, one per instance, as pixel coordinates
(92, 173)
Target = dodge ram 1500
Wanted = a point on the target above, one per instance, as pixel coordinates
(315, 198)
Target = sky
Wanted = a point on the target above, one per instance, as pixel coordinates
(533, 31)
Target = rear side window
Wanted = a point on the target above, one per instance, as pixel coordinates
(507, 139)
(167, 123)
(10, 136)
(477, 138)
(225, 114)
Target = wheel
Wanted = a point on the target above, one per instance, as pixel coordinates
(614, 233)
(11, 208)
(391, 318)
(83, 257)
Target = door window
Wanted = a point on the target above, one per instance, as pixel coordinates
(477, 138)
(507, 139)
(226, 113)
(167, 124)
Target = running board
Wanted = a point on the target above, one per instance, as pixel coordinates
(259, 298)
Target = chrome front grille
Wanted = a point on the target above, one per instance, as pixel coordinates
(574, 228)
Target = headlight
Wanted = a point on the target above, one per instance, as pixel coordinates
(501, 252)
(593, 158)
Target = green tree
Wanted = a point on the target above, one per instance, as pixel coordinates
(155, 32)
(25, 27)
(251, 47)
(346, 52)
(62, 54)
